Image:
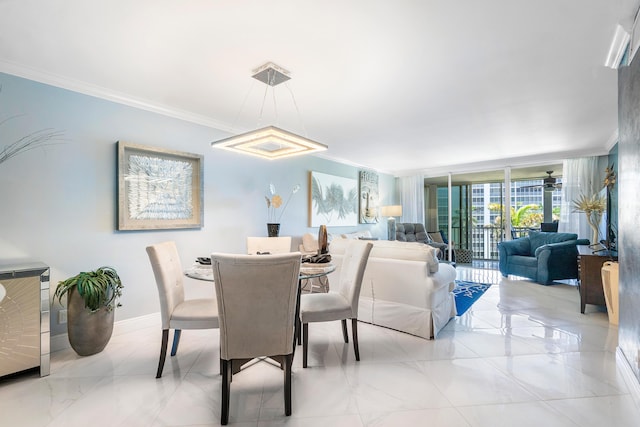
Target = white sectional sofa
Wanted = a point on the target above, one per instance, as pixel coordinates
(404, 287)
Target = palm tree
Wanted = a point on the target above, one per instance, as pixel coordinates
(524, 216)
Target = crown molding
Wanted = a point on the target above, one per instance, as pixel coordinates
(514, 162)
(109, 95)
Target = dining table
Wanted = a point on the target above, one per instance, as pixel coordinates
(307, 271)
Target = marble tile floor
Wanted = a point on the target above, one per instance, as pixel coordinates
(523, 355)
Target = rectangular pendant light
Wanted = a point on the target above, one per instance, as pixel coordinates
(270, 143)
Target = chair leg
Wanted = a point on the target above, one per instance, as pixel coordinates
(354, 332)
(298, 331)
(288, 360)
(305, 343)
(344, 330)
(226, 391)
(176, 341)
(163, 352)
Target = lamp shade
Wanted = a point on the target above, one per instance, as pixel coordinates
(391, 210)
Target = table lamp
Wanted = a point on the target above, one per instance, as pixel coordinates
(391, 211)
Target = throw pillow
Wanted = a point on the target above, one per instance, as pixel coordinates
(436, 236)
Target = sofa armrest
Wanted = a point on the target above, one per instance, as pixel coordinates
(557, 261)
(557, 248)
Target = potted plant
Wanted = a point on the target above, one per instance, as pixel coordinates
(91, 299)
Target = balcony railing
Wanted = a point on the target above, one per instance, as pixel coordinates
(485, 239)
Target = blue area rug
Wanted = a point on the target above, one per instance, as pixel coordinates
(466, 293)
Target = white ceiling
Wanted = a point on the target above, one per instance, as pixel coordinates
(400, 86)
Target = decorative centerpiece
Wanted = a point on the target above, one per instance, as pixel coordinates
(593, 208)
(273, 204)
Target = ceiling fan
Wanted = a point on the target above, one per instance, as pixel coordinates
(549, 183)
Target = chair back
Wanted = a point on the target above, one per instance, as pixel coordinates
(272, 245)
(257, 297)
(549, 227)
(167, 270)
(354, 262)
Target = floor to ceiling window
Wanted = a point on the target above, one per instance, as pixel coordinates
(478, 207)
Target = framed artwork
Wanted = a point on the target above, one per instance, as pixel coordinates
(158, 188)
(369, 205)
(333, 200)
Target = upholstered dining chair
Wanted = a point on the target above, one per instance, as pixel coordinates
(176, 312)
(341, 302)
(271, 245)
(257, 298)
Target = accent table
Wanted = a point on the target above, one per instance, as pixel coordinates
(590, 276)
(24, 317)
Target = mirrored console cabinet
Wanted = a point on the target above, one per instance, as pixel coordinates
(24, 318)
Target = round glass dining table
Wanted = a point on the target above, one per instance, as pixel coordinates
(307, 271)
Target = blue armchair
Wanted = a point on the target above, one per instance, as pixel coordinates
(542, 256)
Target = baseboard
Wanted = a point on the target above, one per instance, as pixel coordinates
(61, 342)
(629, 377)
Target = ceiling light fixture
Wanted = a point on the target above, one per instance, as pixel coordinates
(270, 142)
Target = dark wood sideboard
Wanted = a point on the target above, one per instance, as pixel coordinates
(590, 276)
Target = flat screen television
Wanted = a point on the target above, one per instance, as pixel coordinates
(605, 236)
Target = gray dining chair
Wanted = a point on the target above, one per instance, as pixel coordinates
(341, 302)
(257, 299)
(176, 312)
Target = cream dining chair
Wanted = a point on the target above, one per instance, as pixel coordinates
(271, 245)
(340, 303)
(176, 312)
(257, 297)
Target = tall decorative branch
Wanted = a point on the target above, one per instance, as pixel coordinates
(37, 139)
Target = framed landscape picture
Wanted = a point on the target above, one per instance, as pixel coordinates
(333, 200)
(158, 188)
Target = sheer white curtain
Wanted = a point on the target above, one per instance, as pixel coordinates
(412, 198)
(431, 207)
(579, 176)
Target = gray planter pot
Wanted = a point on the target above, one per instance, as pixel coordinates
(89, 332)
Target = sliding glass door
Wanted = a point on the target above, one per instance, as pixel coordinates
(477, 211)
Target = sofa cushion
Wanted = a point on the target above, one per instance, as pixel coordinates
(409, 251)
(357, 235)
(309, 242)
(541, 238)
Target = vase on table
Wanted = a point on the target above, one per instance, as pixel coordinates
(273, 229)
(322, 240)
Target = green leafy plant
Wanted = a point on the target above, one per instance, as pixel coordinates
(522, 216)
(99, 288)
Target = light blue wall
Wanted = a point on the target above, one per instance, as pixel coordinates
(58, 204)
